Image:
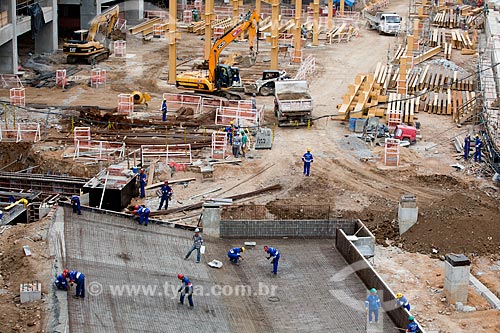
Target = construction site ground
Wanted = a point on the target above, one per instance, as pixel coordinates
(458, 210)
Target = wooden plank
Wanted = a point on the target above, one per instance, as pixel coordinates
(171, 181)
(448, 106)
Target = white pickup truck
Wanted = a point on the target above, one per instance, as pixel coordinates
(293, 103)
(389, 23)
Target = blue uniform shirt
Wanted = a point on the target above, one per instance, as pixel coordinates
(75, 199)
(308, 157)
(145, 211)
(61, 282)
(75, 275)
(186, 283)
(166, 191)
(372, 302)
(143, 178)
(402, 301)
(412, 327)
(273, 252)
(235, 250)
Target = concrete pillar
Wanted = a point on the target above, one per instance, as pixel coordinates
(407, 213)
(456, 278)
(211, 219)
(46, 40)
(88, 10)
(8, 51)
(133, 10)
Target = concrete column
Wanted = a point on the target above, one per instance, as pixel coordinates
(211, 219)
(134, 11)
(456, 278)
(88, 10)
(407, 213)
(46, 41)
(8, 51)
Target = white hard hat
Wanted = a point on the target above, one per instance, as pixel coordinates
(196, 230)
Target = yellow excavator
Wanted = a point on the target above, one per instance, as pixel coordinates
(84, 46)
(220, 78)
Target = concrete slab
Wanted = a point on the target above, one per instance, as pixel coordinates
(131, 278)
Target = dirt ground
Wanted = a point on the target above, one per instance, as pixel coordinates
(457, 209)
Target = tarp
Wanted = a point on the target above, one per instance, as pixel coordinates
(348, 3)
(37, 19)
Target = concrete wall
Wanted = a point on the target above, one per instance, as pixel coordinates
(371, 279)
(292, 228)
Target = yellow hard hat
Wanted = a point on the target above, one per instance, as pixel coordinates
(477, 135)
(231, 122)
(308, 149)
(242, 249)
(399, 295)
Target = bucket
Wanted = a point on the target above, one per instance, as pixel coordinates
(135, 169)
(352, 124)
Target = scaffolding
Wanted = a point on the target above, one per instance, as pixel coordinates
(97, 77)
(219, 145)
(125, 103)
(176, 101)
(22, 132)
(219, 32)
(61, 78)
(240, 116)
(99, 150)
(391, 152)
(394, 106)
(158, 30)
(178, 154)
(187, 16)
(17, 96)
(120, 48)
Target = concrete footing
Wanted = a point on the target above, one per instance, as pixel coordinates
(30, 292)
(456, 278)
(211, 220)
(407, 213)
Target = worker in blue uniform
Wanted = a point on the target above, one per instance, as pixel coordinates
(143, 213)
(275, 254)
(79, 279)
(185, 289)
(164, 110)
(307, 158)
(143, 178)
(60, 282)
(229, 130)
(466, 146)
(235, 253)
(75, 203)
(401, 301)
(479, 145)
(372, 304)
(166, 194)
(412, 326)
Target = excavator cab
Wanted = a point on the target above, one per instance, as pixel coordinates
(226, 77)
(79, 36)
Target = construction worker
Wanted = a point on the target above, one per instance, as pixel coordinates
(185, 289)
(254, 102)
(372, 304)
(478, 145)
(412, 326)
(401, 301)
(275, 254)
(307, 158)
(60, 282)
(143, 178)
(75, 203)
(197, 243)
(457, 13)
(466, 146)
(166, 194)
(244, 140)
(143, 213)
(236, 145)
(235, 253)
(229, 130)
(164, 110)
(79, 279)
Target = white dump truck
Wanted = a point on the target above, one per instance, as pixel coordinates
(389, 23)
(293, 103)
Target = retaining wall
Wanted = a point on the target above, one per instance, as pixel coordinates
(291, 228)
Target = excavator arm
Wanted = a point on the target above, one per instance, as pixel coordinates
(249, 24)
(104, 23)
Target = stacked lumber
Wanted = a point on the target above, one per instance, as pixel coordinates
(402, 108)
(459, 104)
(340, 33)
(199, 27)
(146, 25)
(362, 98)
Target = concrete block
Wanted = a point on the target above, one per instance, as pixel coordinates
(30, 292)
(211, 220)
(407, 213)
(456, 278)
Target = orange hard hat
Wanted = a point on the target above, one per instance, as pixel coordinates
(65, 273)
(266, 248)
(136, 207)
(180, 276)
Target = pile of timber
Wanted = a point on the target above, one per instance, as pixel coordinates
(48, 79)
(460, 104)
(340, 33)
(403, 107)
(447, 18)
(429, 77)
(146, 27)
(199, 27)
(362, 98)
(455, 39)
